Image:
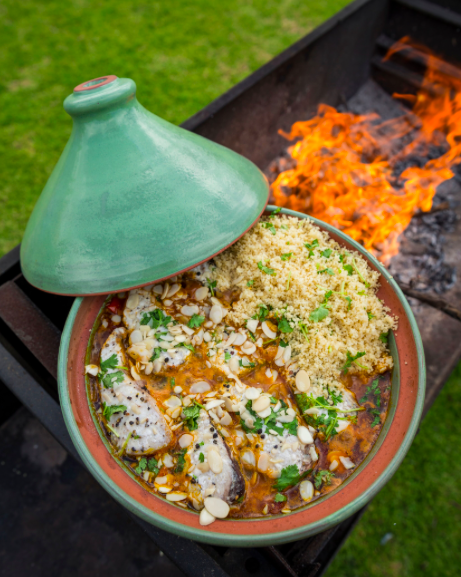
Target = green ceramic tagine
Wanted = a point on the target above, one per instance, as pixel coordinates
(133, 198)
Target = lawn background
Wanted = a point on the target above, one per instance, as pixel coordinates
(182, 55)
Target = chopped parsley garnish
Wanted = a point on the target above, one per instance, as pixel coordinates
(328, 270)
(155, 319)
(326, 253)
(326, 424)
(370, 315)
(109, 410)
(249, 366)
(289, 476)
(322, 477)
(383, 337)
(195, 321)
(191, 415)
(152, 465)
(373, 391)
(349, 269)
(181, 461)
(201, 458)
(275, 212)
(142, 465)
(279, 498)
(377, 415)
(319, 314)
(187, 346)
(303, 328)
(111, 379)
(269, 226)
(311, 246)
(353, 359)
(211, 285)
(227, 357)
(286, 256)
(266, 269)
(110, 363)
(284, 326)
(263, 313)
(361, 293)
(283, 344)
(250, 282)
(359, 273)
(157, 352)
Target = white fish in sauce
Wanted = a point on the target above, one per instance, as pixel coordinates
(141, 428)
(215, 472)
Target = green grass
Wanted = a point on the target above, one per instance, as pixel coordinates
(181, 54)
(420, 507)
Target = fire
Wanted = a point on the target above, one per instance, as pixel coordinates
(346, 166)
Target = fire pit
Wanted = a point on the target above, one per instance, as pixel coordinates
(328, 66)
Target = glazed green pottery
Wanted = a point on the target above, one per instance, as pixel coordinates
(133, 198)
(407, 397)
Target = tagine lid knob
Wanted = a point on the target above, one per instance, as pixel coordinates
(133, 198)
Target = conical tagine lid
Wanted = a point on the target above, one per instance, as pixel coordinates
(133, 198)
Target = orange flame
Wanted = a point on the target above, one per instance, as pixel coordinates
(346, 163)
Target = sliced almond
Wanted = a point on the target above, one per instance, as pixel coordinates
(217, 507)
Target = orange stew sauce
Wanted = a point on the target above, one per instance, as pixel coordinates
(355, 442)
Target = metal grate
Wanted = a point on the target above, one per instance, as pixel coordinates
(324, 66)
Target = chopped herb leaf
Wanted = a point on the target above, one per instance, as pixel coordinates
(352, 359)
(319, 314)
(249, 366)
(370, 315)
(361, 293)
(269, 226)
(322, 477)
(311, 246)
(191, 415)
(211, 285)
(284, 326)
(279, 498)
(109, 410)
(111, 379)
(201, 458)
(110, 363)
(303, 328)
(152, 465)
(265, 269)
(349, 269)
(141, 465)
(181, 461)
(195, 321)
(227, 357)
(250, 282)
(286, 256)
(383, 337)
(283, 344)
(328, 270)
(275, 212)
(155, 319)
(187, 346)
(359, 273)
(263, 313)
(326, 253)
(157, 352)
(289, 476)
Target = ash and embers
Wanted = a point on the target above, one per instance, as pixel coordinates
(400, 195)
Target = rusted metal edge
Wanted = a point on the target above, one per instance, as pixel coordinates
(435, 302)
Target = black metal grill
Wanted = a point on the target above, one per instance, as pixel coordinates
(328, 65)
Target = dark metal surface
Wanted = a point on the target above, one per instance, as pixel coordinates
(328, 65)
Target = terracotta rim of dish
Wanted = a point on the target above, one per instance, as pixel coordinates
(407, 398)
